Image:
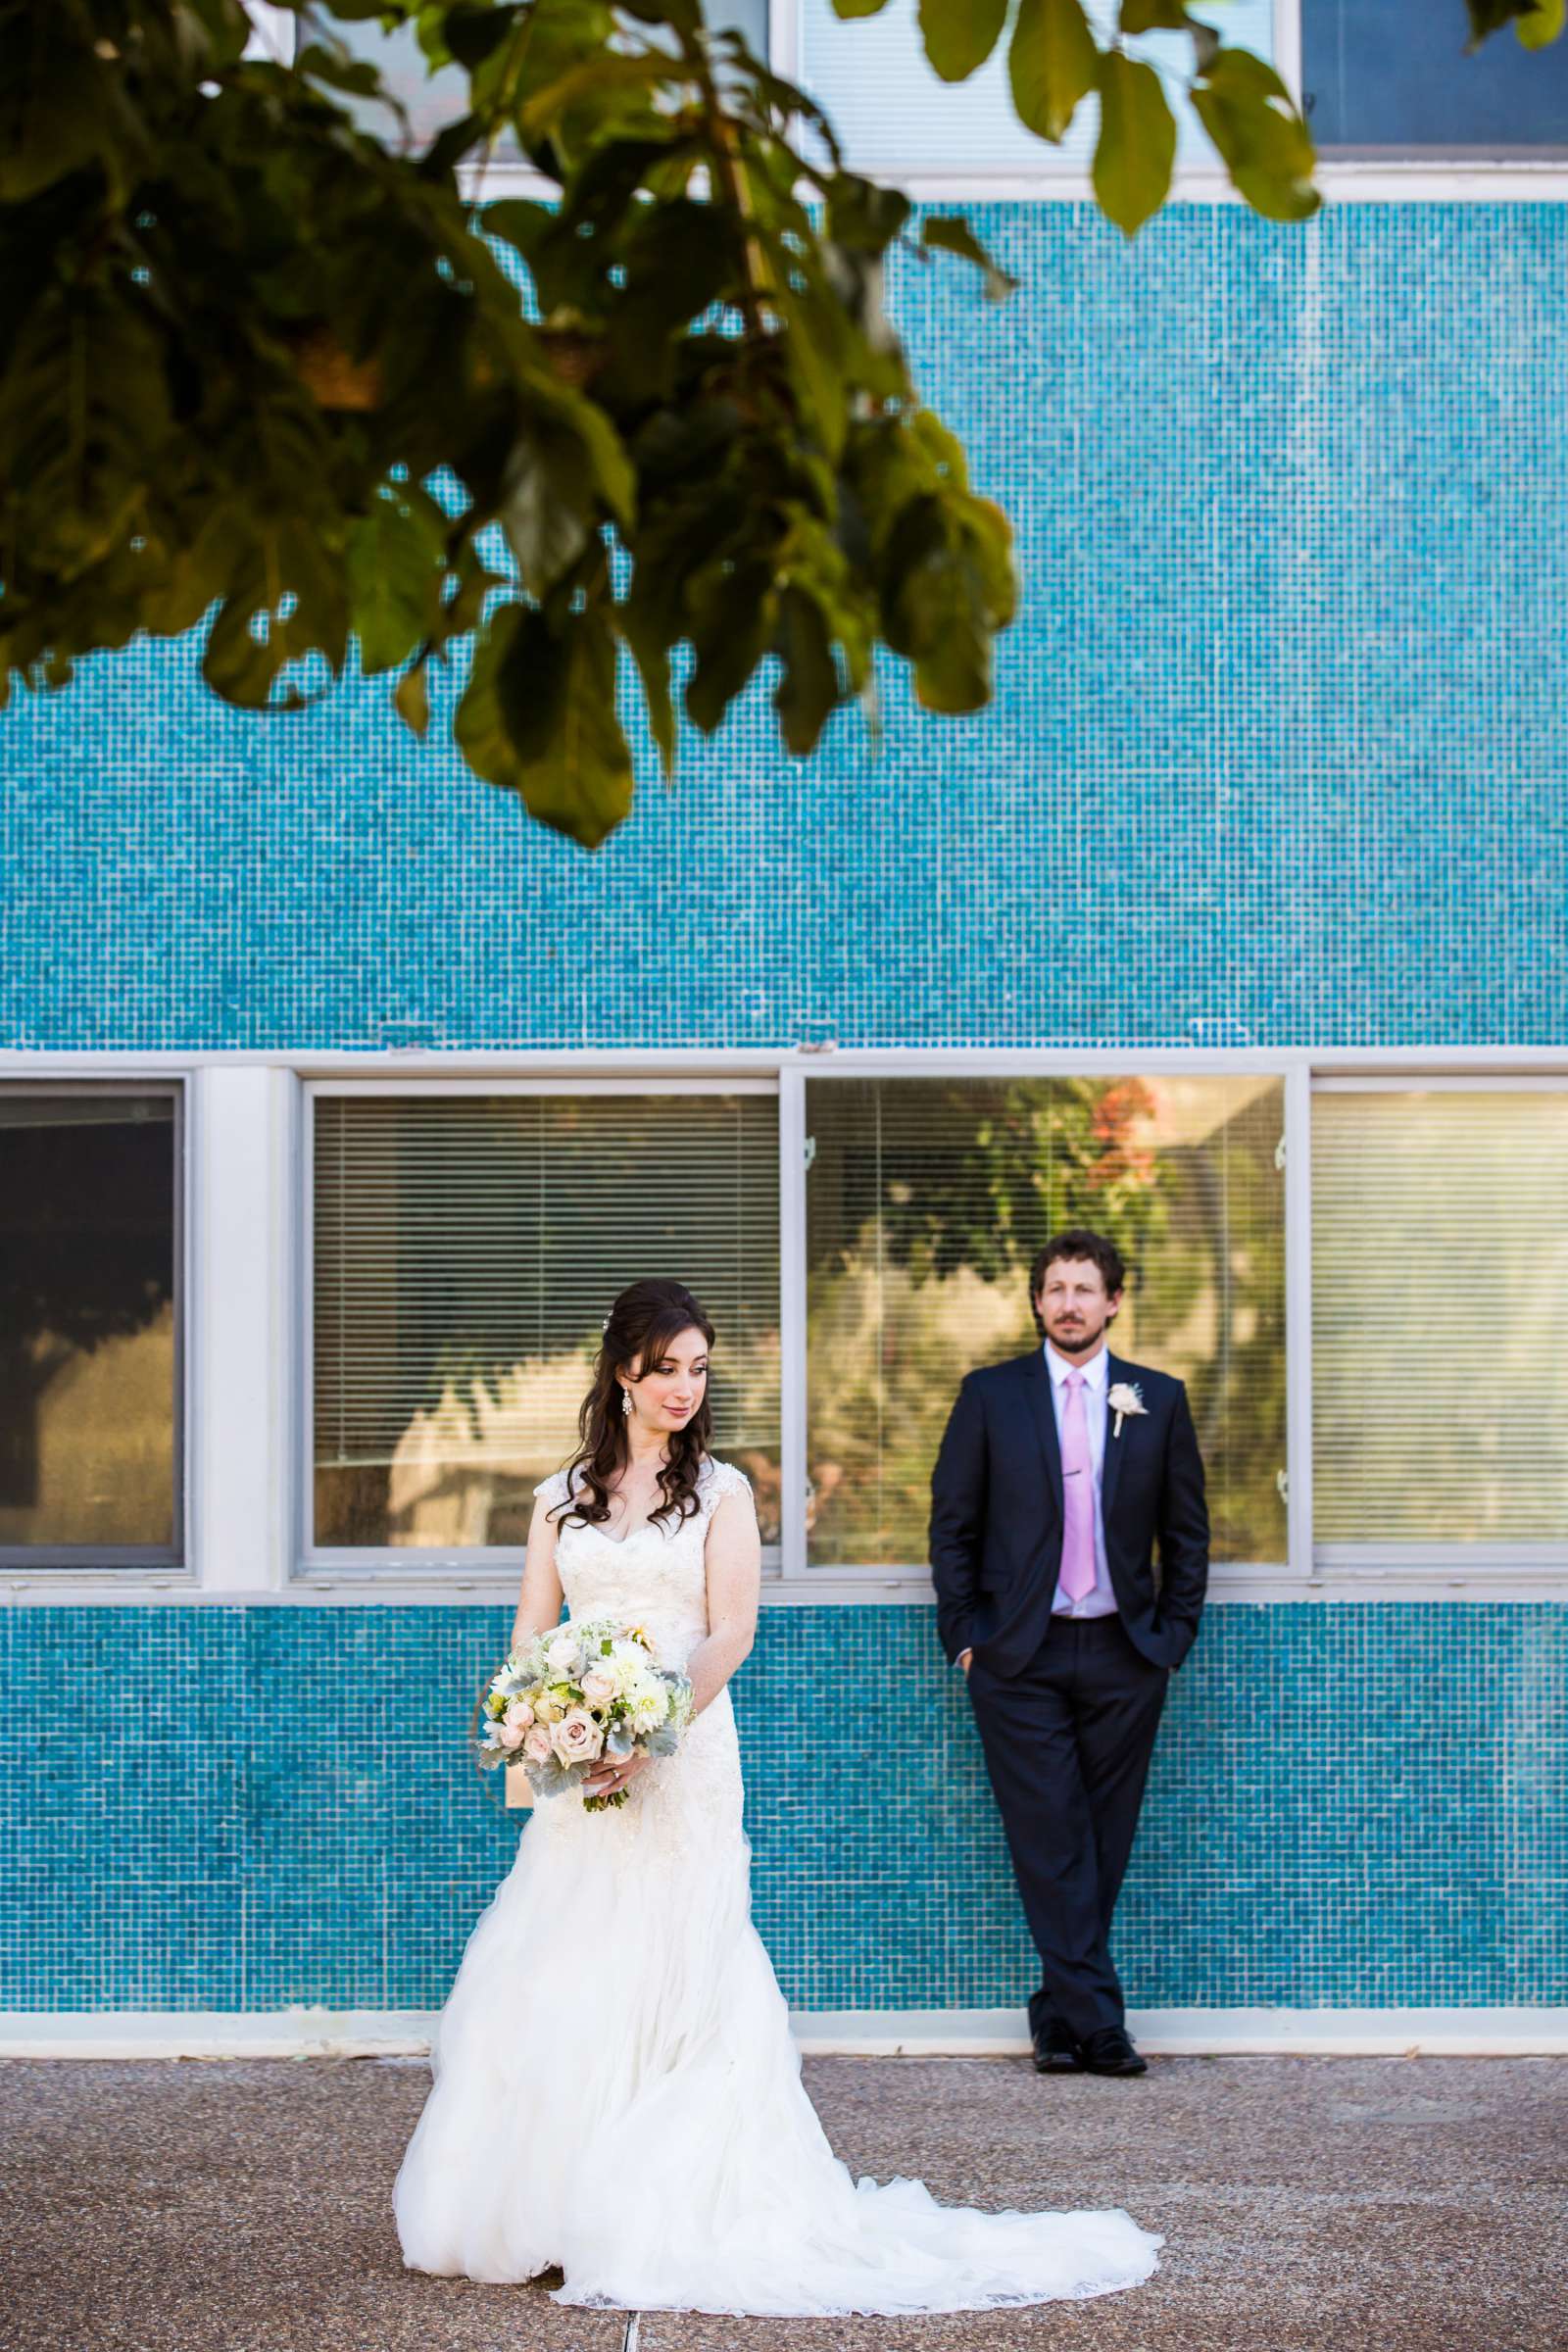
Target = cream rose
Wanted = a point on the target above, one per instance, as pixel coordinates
(512, 1734)
(578, 1737)
(598, 1686)
(537, 1744)
(518, 1711)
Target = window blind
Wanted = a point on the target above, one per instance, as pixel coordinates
(892, 113)
(466, 1248)
(1440, 1263)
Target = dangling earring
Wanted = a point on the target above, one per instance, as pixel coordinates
(626, 1398)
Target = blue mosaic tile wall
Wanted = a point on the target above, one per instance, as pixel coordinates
(1276, 756)
(1357, 1805)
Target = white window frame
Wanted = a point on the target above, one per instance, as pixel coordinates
(1511, 180)
(1514, 179)
(468, 1570)
(245, 1258)
(1262, 1579)
(1386, 1563)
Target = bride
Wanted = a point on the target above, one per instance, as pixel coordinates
(615, 2091)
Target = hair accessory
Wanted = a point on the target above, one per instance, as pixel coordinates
(605, 1325)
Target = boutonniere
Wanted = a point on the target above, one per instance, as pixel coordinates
(1125, 1398)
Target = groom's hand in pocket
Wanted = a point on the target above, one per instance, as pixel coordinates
(965, 1655)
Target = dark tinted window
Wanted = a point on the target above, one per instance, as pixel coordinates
(89, 1335)
(1391, 77)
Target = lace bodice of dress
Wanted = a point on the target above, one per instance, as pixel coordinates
(657, 1575)
(684, 1815)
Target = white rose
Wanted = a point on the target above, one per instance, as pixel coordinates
(576, 1737)
(565, 1655)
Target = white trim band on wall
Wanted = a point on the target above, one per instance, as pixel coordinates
(318, 2033)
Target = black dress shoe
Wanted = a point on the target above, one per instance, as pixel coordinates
(1110, 2052)
(1056, 2051)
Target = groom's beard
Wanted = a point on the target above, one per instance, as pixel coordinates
(1070, 1336)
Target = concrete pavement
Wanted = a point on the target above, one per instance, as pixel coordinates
(1308, 2205)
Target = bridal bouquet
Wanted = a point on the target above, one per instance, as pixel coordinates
(579, 1692)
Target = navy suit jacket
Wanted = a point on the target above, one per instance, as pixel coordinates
(996, 1515)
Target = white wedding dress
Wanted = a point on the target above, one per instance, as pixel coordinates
(615, 2087)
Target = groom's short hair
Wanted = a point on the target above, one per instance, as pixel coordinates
(1076, 1240)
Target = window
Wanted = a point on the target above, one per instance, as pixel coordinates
(467, 1247)
(90, 1352)
(926, 1200)
(1381, 78)
(1440, 1263)
(894, 116)
(432, 101)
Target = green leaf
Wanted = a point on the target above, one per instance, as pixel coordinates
(651, 652)
(1136, 150)
(538, 717)
(594, 77)
(355, 77)
(862, 215)
(395, 559)
(684, 15)
(62, 105)
(471, 35)
(813, 355)
(947, 586)
(1263, 141)
(960, 34)
(1154, 16)
(1488, 17)
(1543, 25)
(410, 699)
(1052, 65)
(547, 505)
(942, 449)
(678, 259)
(950, 232)
(807, 691)
(733, 610)
(520, 222)
(237, 664)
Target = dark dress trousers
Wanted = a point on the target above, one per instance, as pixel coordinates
(1067, 1707)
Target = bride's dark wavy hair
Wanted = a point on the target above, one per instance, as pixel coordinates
(643, 1321)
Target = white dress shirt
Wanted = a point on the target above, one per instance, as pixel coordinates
(1100, 1600)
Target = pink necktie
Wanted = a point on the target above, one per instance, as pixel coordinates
(1078, 1494)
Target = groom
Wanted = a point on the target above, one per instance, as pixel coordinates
(1054, 1483)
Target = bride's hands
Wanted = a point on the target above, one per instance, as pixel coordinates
(613, 1772)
